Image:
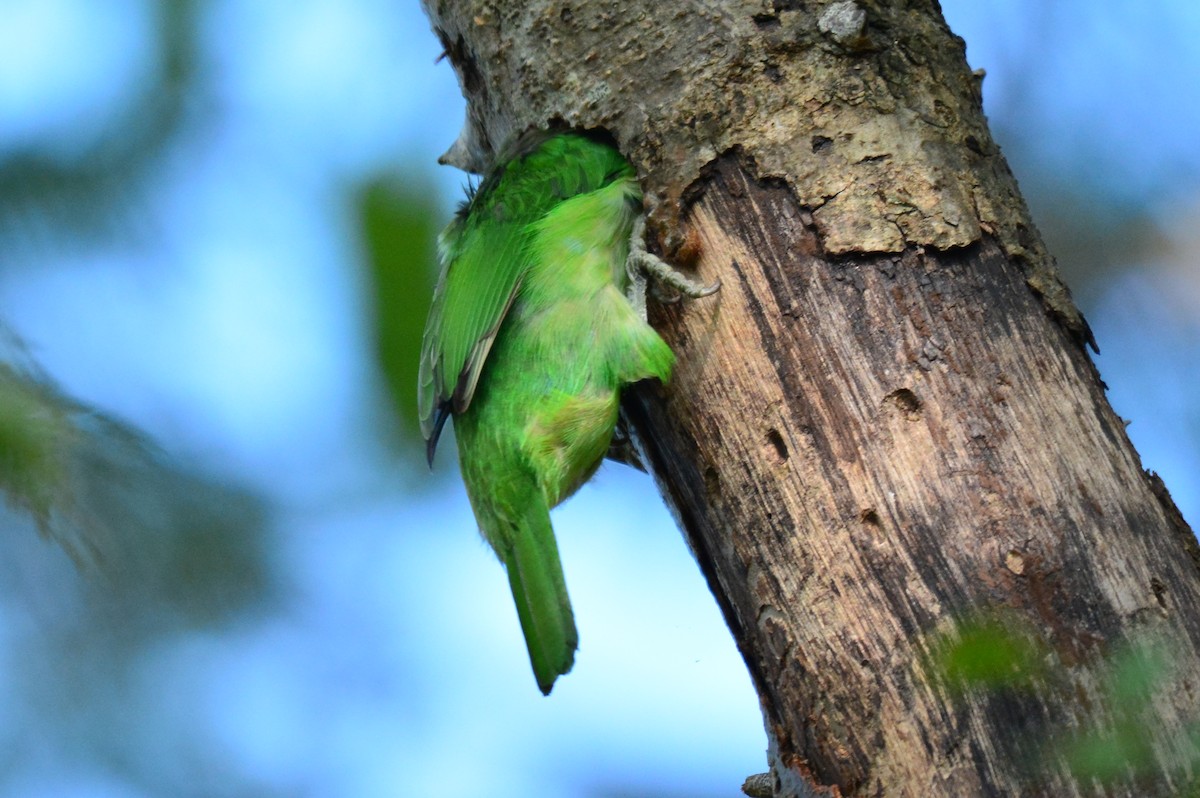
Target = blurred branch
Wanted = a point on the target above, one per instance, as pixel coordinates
(112, 500)
(90, 193)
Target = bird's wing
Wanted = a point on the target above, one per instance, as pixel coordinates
(483, 262)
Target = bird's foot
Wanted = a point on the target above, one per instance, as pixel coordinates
(621, 447)
(642, 266)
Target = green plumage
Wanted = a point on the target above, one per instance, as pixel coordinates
(529, 341)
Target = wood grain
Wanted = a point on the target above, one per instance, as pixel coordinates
(865, 451)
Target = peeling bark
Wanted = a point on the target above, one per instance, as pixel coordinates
(885, 422)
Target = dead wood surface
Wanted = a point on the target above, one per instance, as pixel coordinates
(864, 452)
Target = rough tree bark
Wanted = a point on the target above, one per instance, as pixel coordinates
(886, 422)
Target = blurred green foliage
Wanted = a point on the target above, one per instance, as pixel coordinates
(96, 486)
(1109, 741)
(1131, 677)
(149, 529)
(90, 192)
(987, 652)
(34, 439)
(160, 553)
(399, 225)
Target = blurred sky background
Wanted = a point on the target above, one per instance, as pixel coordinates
(203, 203)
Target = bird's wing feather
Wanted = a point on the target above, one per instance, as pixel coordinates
(482, 267)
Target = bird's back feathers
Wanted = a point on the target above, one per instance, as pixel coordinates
(485, 255)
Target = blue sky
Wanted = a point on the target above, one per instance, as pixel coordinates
(226, 319)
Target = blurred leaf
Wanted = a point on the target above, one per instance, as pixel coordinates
(166, 556)
(1110, 754)
(1110, 741)
(1135, 672)
(175, 549)
(399, 223)
(113, 501)
(1132, 675)
(34, 439)
(988, 653)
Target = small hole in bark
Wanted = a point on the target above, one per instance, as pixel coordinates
(776, 440)
(766, 20)
(821, 143)
(1015, 562)
(906, 402)
(870, 517)
(1160, 591)
(689, 251)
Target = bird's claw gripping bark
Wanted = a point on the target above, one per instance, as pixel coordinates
(642, 265)
(621, 447)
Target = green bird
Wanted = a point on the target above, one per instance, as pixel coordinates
(529, 341)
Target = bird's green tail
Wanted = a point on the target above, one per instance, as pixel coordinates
(538, 587)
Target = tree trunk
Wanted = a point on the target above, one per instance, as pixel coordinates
(885, 427)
